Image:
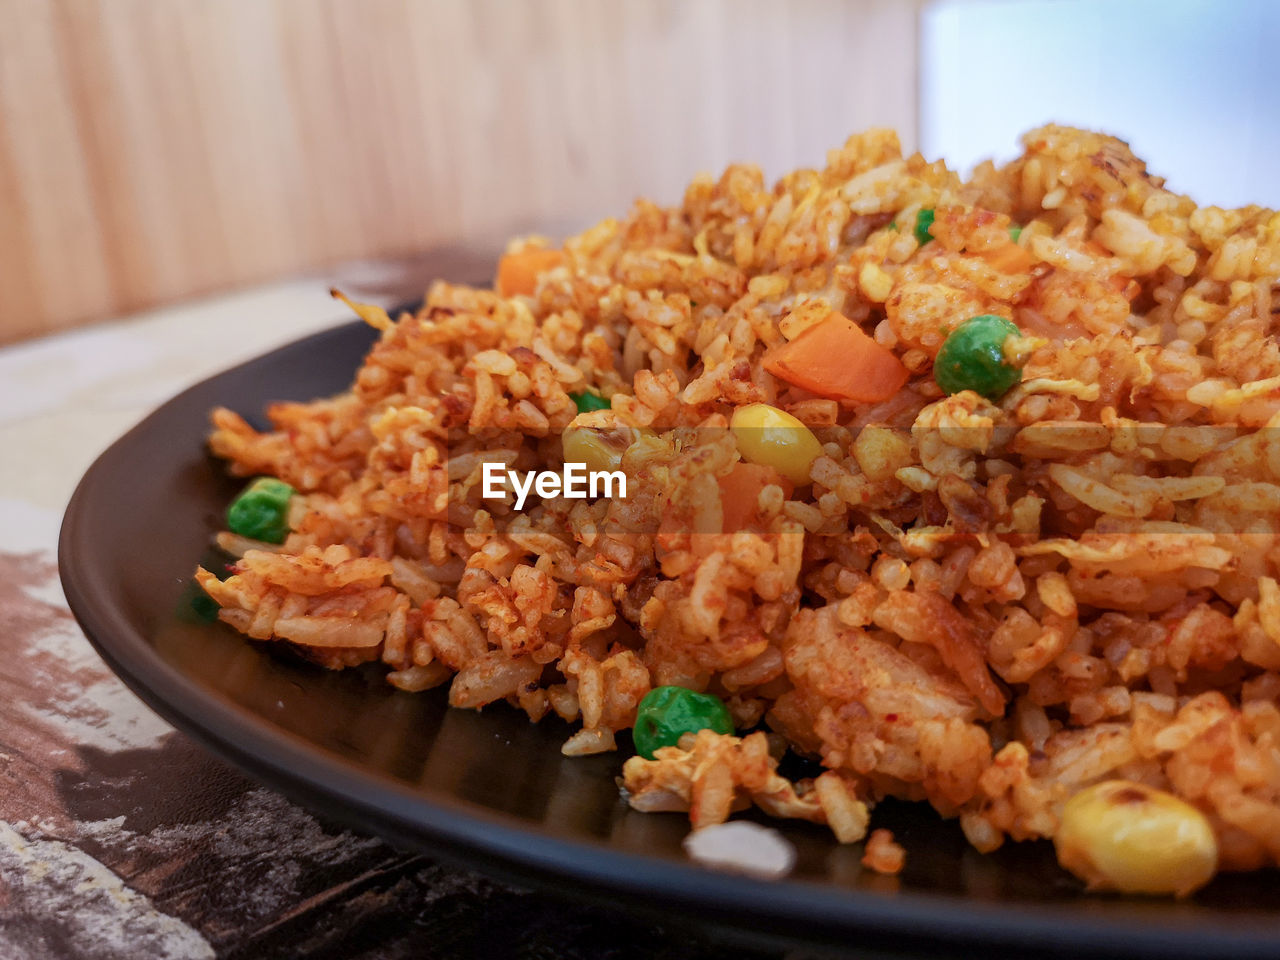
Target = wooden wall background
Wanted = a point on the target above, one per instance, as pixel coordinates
(155, 149)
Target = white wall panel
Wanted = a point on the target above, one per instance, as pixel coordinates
(1193, 86)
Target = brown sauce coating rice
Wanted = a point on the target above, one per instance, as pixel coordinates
(985, 605)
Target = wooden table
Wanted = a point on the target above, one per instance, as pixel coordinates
(119, 837)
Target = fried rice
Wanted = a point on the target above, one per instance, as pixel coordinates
(986, 605)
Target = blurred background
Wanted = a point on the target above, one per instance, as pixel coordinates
(153, 150)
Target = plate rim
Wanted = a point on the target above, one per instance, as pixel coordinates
(444, 825)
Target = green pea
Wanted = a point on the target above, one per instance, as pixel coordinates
(1015, 233)
(196, 606)
(924, 220)
(666, 713)
(972, 358)
(261, 512)
(204, 607)
(590, 400)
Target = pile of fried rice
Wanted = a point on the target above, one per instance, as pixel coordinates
(985, 605)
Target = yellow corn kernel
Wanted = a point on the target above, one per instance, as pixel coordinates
(774, 438)
(875, 282)
(1120, 835)
(599, 447)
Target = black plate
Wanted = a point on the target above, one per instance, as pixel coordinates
(492, 789)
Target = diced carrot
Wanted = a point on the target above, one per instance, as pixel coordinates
(518, 272)
(1010, 258)
(836, 359)
(740, 492)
